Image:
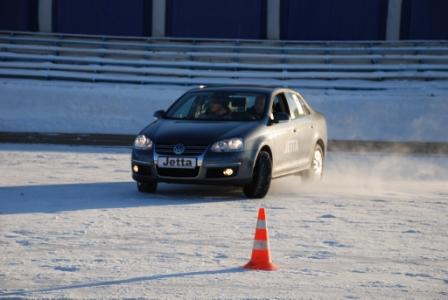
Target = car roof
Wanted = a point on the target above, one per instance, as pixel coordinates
(236, 88)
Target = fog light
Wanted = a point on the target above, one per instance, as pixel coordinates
(227, 172)
(135, 168)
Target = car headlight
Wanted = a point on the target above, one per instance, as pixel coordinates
(229, 145)
(142, 142)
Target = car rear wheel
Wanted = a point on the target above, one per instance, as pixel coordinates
(261, 179)
(315, 172)
(146, 187)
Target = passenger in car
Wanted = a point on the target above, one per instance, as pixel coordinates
(258, 108)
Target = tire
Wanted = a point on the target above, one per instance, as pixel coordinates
(147, 187)
(261, 178)
(316, 170)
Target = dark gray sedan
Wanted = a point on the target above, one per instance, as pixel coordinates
(241, 136)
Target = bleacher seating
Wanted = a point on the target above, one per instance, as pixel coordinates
(181, 61)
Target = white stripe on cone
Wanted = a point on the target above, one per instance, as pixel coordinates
(260, 245)
(261, 224)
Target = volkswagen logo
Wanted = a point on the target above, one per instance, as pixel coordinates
(178, 149)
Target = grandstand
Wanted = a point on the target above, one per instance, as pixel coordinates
(303, 43)
(184, 61)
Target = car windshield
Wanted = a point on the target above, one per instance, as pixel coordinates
(222, 106)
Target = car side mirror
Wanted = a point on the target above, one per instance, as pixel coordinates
(159, 114)
(280, 117)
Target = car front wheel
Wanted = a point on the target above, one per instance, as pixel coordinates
(261, 179)
(147, 187)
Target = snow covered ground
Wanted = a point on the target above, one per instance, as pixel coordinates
(382, 111)
(73, 225)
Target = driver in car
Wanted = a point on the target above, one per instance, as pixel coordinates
(216, 110)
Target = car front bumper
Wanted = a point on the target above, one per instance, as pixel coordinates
(210, 168)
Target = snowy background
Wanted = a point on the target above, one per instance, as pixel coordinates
(72, 224)
(380, 111)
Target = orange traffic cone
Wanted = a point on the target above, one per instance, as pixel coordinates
(261, 255)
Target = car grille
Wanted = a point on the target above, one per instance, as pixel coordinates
(178, 172)
(168, 149)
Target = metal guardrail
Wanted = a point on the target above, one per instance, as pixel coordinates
(233, 66)
(215, 61)
(237, 42)
(229, 74)
(287, 49)
(183, 54)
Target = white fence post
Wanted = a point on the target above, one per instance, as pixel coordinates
(158, 18)
(393, 20)
(45, 15)
(273, 19)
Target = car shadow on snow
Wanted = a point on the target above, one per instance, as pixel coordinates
(133, 280)
(79, 196)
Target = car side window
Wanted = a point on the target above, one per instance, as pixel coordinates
(296, 110)
(280, 104)
(303, 109)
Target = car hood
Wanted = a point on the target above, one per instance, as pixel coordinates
(196, 132)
